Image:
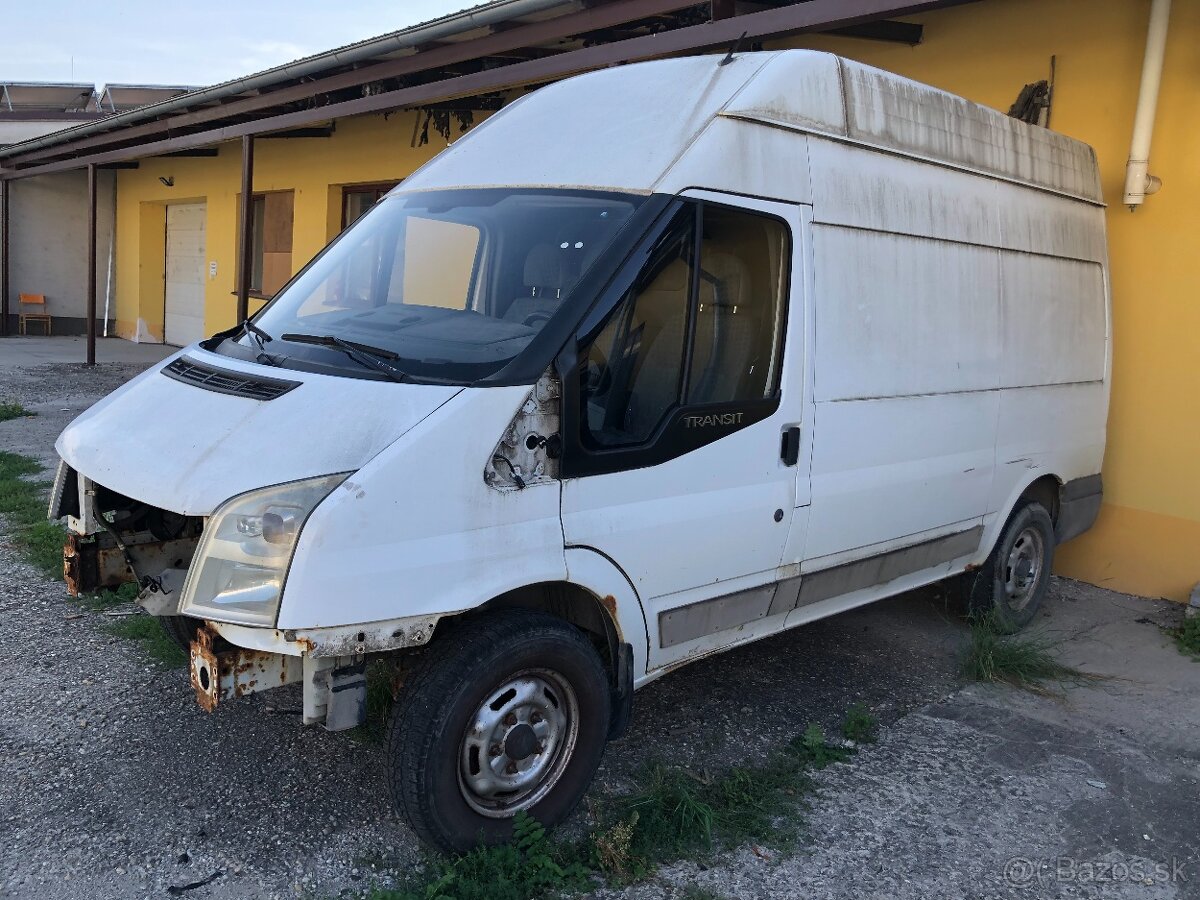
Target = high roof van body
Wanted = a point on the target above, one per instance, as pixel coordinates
(657, 361)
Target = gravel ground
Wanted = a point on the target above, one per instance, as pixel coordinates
(113, 784)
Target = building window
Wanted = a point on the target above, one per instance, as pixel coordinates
(271, 242)
(358, 198)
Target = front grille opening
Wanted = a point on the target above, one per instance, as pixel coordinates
(227, 381)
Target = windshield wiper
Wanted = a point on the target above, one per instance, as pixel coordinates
(261, 337)
(363, 354)
(250, 328)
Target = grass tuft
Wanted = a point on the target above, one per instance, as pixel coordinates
(14, 411)
(859, 725)
(671, 814)
(1023, 662)
(147, 631)
(23, 504)
(382, 678)
(1187, 637)
(531, 865)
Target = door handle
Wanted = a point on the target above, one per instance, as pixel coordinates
(789, 450)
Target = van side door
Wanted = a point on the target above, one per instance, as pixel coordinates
(681, 394)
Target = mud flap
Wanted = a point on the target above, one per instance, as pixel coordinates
(622, 697)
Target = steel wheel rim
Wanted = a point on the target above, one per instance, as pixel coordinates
(1023, 567)
(518, 743)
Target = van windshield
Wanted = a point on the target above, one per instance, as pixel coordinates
(451, 285)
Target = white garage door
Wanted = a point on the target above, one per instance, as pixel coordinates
(185, 273)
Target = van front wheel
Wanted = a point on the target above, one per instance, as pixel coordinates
(509, 713)
(1011, 585)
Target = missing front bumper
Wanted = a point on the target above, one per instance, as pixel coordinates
(335, 688)
(217, 677)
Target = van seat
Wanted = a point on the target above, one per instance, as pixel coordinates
(549, 275)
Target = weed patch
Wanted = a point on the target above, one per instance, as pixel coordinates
(23, 504)
(147, 631)
(531, 865)
(671, 814)
(859, 725)
(14, 411)
(381, 692)
(1187, 637)
(1024, 662)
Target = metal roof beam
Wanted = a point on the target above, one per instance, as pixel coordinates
(516, 38)
(887, 30)
(814, 15)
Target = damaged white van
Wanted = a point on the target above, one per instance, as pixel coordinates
(657, 361)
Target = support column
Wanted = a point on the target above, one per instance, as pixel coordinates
(91, 266)
(245, 229)
(5, 243)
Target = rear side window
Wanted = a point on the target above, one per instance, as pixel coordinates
(701, 326)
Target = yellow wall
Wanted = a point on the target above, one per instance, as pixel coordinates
(366, 149)
(1148, 538)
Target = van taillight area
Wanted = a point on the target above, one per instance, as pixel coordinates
(113, 539)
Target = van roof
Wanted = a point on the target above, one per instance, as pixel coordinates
(628, 125)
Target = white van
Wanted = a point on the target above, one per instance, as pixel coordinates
(658, 361)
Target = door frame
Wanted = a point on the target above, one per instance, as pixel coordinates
(737, 608)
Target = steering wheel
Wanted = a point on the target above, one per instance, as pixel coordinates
(535, 317)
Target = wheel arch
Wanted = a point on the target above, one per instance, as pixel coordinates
(596, 597)
(1044, 487)
(606, 609)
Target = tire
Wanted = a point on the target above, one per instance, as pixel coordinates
(180, 629)
(465, 721)
(1012, 583)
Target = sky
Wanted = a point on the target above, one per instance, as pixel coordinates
(187, 43)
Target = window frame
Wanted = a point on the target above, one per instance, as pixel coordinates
(672, 437)
(380, 188)
(258, 261)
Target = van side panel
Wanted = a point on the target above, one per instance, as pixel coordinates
(907, 348)
(1057, 349)
(961, 328)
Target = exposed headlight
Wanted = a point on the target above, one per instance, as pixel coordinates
(238, 571)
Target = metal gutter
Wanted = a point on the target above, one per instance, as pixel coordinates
(405, 39)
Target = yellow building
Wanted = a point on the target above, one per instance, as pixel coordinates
(309, 182)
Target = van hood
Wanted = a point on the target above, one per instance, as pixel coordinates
(188, 449)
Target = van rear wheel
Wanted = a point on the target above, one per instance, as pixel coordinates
(1011, 585)
(509, 713)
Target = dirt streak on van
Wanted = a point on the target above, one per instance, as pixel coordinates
(657, 361)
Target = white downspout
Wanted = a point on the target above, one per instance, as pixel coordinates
(112, 240)
(1138, 180)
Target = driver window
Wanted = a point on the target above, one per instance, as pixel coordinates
(633, 368)
(736, 295)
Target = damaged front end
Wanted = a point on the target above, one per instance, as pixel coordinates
(114, 540)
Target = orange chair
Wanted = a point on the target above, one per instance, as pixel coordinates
(42, 316)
